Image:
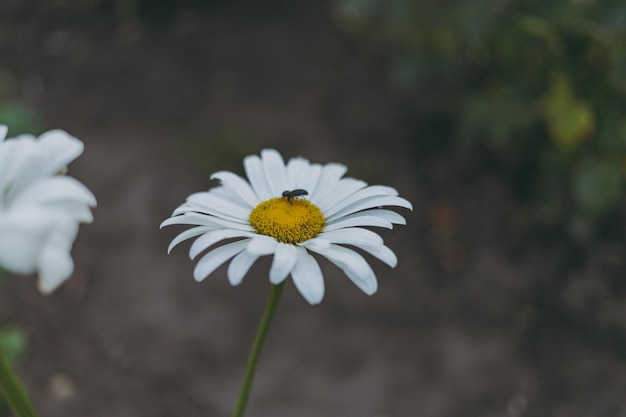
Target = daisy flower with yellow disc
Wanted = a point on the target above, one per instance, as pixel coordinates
(289, 211)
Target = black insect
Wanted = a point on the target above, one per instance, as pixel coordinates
(299, 192)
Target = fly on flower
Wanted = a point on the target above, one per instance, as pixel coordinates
(266, 216)
(298, 192)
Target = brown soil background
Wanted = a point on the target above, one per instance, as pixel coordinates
(474, 321)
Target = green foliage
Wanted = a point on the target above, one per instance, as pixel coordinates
(14, 114)
(540, 83)
(13, 345)
(19, 118)
(12, 342)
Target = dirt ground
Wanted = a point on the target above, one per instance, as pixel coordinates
(476, 320)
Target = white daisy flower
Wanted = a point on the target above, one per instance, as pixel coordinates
(39, 209)
(289, 211)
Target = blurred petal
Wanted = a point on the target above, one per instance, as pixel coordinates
(55, 189)
(62, 149)
(55, 266)
(40, 211)
(19, 250)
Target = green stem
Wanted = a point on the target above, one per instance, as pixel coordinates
(13, 391)
(264, 326)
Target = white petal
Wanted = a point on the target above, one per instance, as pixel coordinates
(358, 219)
(381, 252)
(239, 186)
(317, 244)
(363, 194)
(228, 194)
(307, 277)
(285, 257)
(63, 232)
(262, 245)
(3, 132)
(20, 244)
(239, 266)
(354, 266)
(55, 189)
(60, 149)
(369, 203)
(352, 236)
(210, 203)
(212, 237)
(329, 177)
(388, 215)
(295, 167)
(200, 219)
(364, 239)
(196, 219)
(20, 164)
(212, 260)
(254, 171)
(188, 234)
(26, 136)
(73, 210)
(275, 171)
(387, 218)
(343, 189)
(309, 177)
(55, 266)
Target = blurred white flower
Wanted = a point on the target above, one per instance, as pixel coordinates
(39, 209)
(288, 211)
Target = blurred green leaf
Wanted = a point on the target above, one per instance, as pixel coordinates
(19, 119)
(597, 184)
(494, 116)
(12, 342)
(544, 30)
(570, 121)
(539, 84)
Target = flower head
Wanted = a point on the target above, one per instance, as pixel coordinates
(289, 211)
(39, 209)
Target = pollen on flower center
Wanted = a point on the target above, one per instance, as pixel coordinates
(288, 220)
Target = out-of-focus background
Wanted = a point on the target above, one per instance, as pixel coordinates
(503, 122)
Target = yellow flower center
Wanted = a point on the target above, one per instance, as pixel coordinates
(288, 220)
